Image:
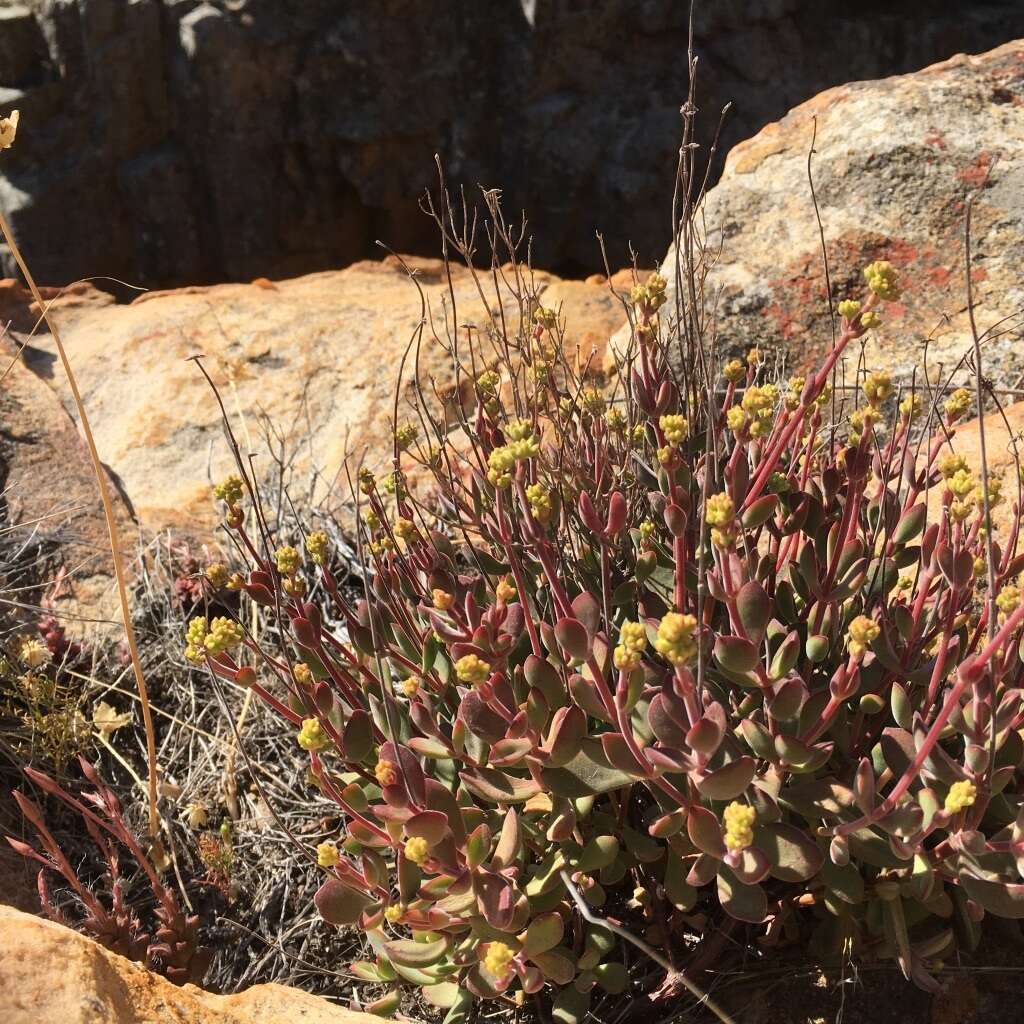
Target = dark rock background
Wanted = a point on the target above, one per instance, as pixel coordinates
(173, 141)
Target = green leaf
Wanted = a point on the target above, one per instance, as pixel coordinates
(793, 855)
(409, 953)
(357, 738)
(612, 977)
(845, 882)
(444, 995)
(338, 904)
(387, 1005)
(742, 902)
(728, 782)
(543, 933)
(587, 774)
(598, 853)
(1000, 898)
(497, 787)
(570, 1007)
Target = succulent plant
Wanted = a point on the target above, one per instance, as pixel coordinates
(693, 642)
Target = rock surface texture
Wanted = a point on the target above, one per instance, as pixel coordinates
(182, 141)
(895, 162)
(307, 369)
(52, 975)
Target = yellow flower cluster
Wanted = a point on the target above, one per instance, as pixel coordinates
(734, 371)
(794, 393)
(488, 382)
(8, 129)
(498, 959)
(647, 529)
(417, 850)
(721, 517)
(220, 635)
(405, 435)
(405, 529)
(441, 599)
(539, 498)
(650, 294)
(288, 560)
(753, 356)
(632, 644)
(312, 735)
(411, 686)
(385, 773)
(675, 428)
(471, 669)
(505, 591)
(615, 418)
(759, 405)
(218, 575)
(950, 464)
(230, 490)
(676, 641)
(739, 825)
(327, 855)
(883, 280)
(367, 481)
(593, 401)
(545, 317)
(500, 464)
(961, 795)
(870, 319)
(877, 387)
(861, 633)
(393, 913)
(957, 404)
(32, 653)
(849, 309)
(736, 418)
(316, 545)
(910, 407)
(1008, 599)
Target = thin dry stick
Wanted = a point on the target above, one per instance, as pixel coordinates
(624, 933)
(112, 531)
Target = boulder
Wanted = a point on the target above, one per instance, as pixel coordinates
(50, 510)
(307, 369)
(893, 165)
(184, 141)
(52, 975)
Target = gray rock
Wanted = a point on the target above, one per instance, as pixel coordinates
(166, 141)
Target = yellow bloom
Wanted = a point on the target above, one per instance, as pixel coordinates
(961, 795)
(411, 686)
(870, 319)
(405, 529)
(753, 356)
(675, 428)
(471, 669)
(225, 634)
(498, 959)
(910, 407)
(218, 575)
(288, 560)
(675, 640)
(230, 490)
(441, 599)
(405, 435)
(32, 652)
(883, 280)
(957, 404)
(488, 382)
(877, 387)
(327, 855)
(312, 735)
(734, 371)
(849, 308)
(739, 825)
(539, 498)
(962, 483)
(736, 418)
(1008, 599)
(386, 773)
(720, 510)
(417, 850)
(505, 591)
(393, 913)
(316, 545)
(860, 634)
(500, 464)
(951, 463)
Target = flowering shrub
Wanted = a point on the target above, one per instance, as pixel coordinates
(689, 650)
